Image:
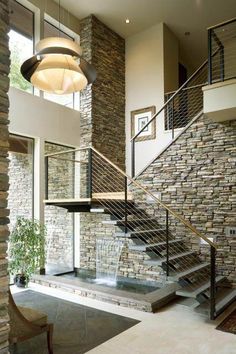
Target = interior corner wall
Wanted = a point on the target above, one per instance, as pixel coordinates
(171, 60)
(150, 71)
(4, 104)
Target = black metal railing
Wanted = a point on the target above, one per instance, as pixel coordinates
(183, 105)
(222, 40)
(105, 183)
(180, 108)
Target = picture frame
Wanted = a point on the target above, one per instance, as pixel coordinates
(139, 118)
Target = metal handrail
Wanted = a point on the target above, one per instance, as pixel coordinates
(222, 23)
(187, 88)
(170, 99)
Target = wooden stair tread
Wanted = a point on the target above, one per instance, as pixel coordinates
(112, 195)
(194, 290)
(189, 271)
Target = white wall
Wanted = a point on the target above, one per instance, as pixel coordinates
(216, 108)
(145, 85)
(38, 118)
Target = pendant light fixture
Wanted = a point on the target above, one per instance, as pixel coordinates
(58, 66)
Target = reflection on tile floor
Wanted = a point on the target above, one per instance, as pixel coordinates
(77, 328)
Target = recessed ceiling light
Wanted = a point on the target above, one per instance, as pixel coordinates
(127, 20)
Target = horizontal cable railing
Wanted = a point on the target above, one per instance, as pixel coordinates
(168, 238)
(222, 38)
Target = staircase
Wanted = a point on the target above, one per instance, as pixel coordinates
(153, 228)
(173, 246)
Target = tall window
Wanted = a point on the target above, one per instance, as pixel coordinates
(59, 223)
(70, 100)
(21, 43)
(20, 199)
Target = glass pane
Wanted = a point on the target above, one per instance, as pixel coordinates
(20, 43)
(52, 31)
(64, 100)
(59, 223)
(20, 199)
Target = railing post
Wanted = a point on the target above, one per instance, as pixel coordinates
(222, 63)
(126, 206)
(213, 283)
(173, 126)
(46, 177)
(133, 158)
(210, 56)
(167, 243)
(90, 173)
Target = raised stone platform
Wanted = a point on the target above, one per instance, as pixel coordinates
(149, 302)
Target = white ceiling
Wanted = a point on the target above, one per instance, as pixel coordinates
(181, 16)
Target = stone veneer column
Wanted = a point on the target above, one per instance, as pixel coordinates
(102, 117)
(103, 103)
(4, 104)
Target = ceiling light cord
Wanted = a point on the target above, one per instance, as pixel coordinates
(59, 19)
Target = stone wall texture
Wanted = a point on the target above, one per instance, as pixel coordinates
(103, 103)
(4, 104)
(20, 197)
(102, 118)
(59, 223)
(196, 177)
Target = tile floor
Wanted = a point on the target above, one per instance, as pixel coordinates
(175, 329)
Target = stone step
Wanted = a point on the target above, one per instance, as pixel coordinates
(131, 223)
(137, 234)
(224, 298)
(159, 262)
(120, 211)
(149, 247)
(193, 290)
(190, 271)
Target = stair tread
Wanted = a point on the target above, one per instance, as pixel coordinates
(172, 258)
(224, 297)
(145, 246)
(189, 271)
(142, 247)
(194, 290)
(228, 297)
(133, 233)
(129, 221)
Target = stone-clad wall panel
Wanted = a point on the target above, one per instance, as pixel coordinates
(4, 106)
(196, 176)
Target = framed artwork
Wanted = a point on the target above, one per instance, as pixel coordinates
(139, 118)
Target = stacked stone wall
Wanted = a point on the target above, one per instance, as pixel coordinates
(4, 106)
(196, 177)
(20, 198)
(102, 120)
(59, 223)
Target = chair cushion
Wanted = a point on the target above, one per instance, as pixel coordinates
(34, 316)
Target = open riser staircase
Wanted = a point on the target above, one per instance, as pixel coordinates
(173, 246)
(152, 228)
